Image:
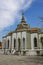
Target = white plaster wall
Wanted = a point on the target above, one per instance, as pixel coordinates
(3, 43)
(40, 35)
(13, 37)
(8, 38)
(31, 52)
(32, 39)
(24, 36)
(18, 35)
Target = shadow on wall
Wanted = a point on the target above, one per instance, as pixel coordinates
(0, 45)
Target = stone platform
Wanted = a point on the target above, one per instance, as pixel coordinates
(20, 60)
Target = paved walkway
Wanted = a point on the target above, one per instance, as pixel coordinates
(20, 60)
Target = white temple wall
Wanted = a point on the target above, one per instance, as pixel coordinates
(18, 35)
(24, 36)
(8, 38)
(40, 35)
(3, 43)
(13, 37)
(33, 35)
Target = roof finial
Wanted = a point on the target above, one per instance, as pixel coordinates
(23, 19)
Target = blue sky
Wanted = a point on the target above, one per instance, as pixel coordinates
(11, 10)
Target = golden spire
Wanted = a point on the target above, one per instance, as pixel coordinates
(23, 19)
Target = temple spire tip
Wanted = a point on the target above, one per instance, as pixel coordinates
(23, 18)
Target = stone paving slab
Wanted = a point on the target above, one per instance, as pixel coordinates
(20, 60)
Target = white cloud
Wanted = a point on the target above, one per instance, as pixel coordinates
(9, 10)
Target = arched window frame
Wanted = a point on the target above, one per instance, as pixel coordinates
(8, 43)
(14, 43)
(19, 44)
(41, 40)
(23, 43)
(35, 42)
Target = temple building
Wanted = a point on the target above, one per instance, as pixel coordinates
(23, 40)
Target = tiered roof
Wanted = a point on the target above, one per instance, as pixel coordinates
(23, 26)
